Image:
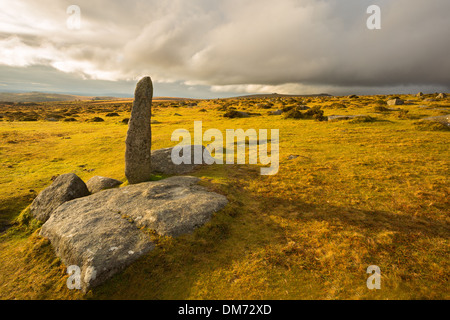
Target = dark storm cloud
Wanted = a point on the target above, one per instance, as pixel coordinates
(237, 46)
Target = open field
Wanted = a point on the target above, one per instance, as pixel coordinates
(368, 191)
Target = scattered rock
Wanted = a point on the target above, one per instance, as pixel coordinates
(126, 120)
(101, 233)
(139, 135)
(293, 156)
(420, 94)
(345, 117)
(65, 187)
(441, 96)
(98, 183)
(395, 102)
(311, 113)
(162, 161)
(155, 122)
(236, 114)
(177, 114)
(96, 119)
(445, 120)
(276, 113)
(112, 114)
(353, 96)
(264, 105)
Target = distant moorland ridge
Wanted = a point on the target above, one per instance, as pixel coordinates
(35, 96)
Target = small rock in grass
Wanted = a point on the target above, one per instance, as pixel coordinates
(98, 183)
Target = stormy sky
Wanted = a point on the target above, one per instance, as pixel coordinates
(219, 48)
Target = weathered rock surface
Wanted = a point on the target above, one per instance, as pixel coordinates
(162, 161)
(64, 188)
(100, 233)
(98, 183)
(97, 240)
(395, 102)
(139, 135)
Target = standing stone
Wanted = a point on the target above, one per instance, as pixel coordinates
(139, 135)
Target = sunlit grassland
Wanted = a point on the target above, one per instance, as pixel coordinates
(359, 194)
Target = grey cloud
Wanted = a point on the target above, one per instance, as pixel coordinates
(315, 44)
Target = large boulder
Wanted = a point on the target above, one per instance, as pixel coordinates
(441, 96)
(98, 183)
(162, 161)
(66, 187)
(105, 232)
(139, 135)
(395, 102)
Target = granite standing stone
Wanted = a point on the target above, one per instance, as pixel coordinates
(139, 135)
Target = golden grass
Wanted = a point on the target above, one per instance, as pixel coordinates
(360, 193)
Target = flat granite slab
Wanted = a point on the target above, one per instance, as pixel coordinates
(101, 233)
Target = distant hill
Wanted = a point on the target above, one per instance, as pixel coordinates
(44, 97)
(28, 97)
(276, 95)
